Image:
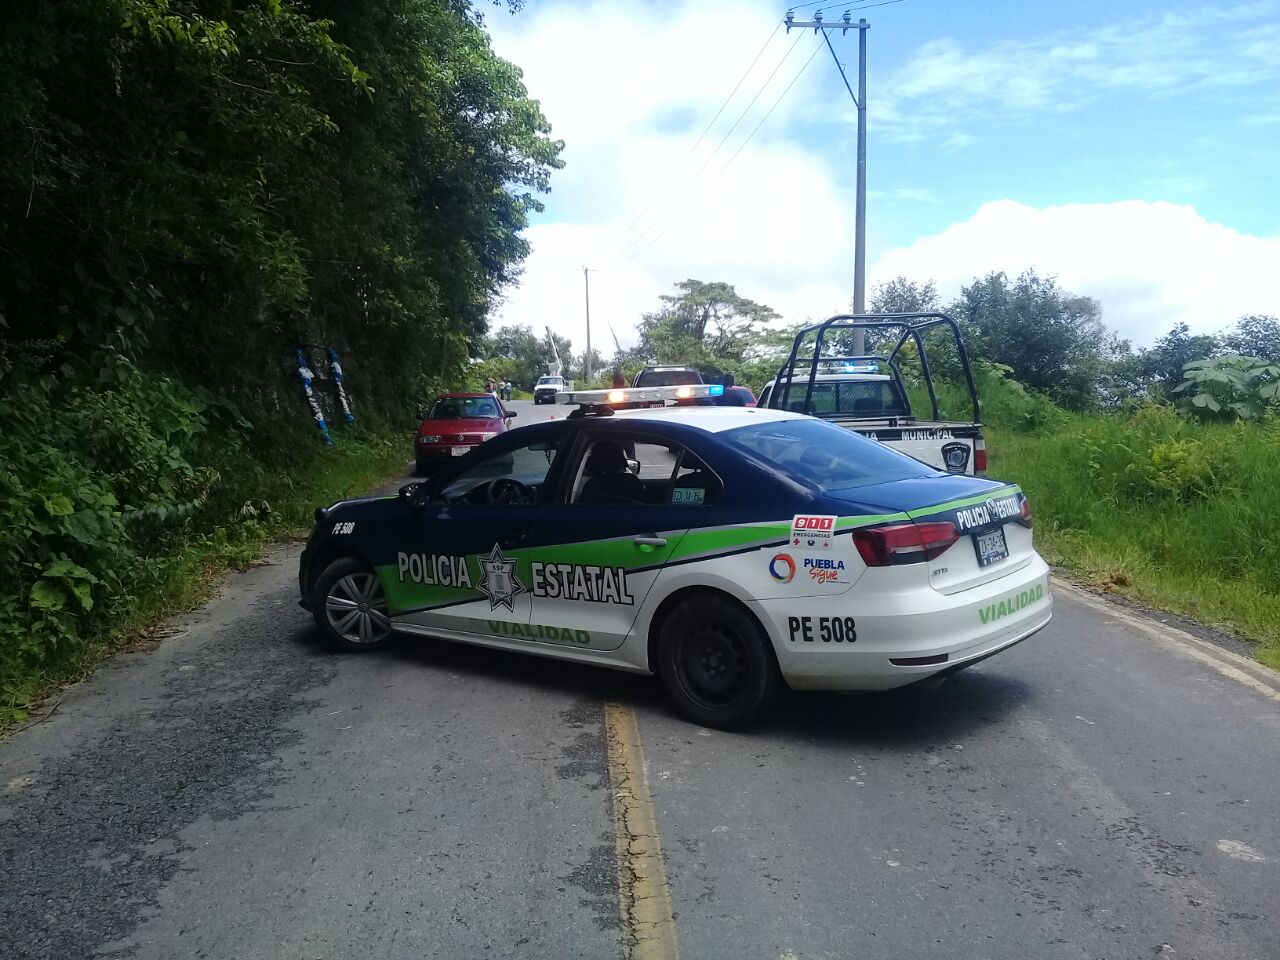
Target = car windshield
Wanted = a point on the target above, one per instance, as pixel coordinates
(667, 378)
(552, 380)
(465, 408)
(857, 398)
(825, 456)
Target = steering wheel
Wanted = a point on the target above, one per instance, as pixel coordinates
(508, 490)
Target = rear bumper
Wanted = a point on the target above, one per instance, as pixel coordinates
(953, 631)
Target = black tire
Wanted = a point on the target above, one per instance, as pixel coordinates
(716, 663)
(350, 608)
(422, 468)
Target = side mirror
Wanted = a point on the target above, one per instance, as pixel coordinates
(410, 490)
(510, 415)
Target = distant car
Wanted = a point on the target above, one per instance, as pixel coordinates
(736, 396)
(728, 550)
(545, 390)
(455, 425)
(666, 377)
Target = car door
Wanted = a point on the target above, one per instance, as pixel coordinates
(629, 497)
(462, 566)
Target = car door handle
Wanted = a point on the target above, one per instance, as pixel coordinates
(651, 543)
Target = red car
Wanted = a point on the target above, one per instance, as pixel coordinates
(456, 424)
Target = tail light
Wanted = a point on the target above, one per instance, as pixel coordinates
(980, 456)
(904, 543)
(1025, 519)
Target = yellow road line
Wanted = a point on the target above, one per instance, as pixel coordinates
(644, 898)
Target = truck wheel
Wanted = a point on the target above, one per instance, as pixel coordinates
(716, 663)
(350, 608)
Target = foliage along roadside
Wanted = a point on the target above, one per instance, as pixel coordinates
(138, 494)
(1173, 512)
(188, 191)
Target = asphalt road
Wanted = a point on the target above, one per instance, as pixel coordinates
(1108, 789)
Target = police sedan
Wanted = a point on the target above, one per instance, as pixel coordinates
(732, 551)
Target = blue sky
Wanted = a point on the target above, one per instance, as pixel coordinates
(1131, 150)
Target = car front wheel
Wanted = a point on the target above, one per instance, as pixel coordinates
(350, 608)
(716, 663)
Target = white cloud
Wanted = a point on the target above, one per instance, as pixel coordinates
(1152, 265)
(774, 219)
(946, 85)
(629, 88)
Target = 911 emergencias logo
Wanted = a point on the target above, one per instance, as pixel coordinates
(812, 532)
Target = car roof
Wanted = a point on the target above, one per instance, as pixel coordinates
(458, 395)
(710, 419)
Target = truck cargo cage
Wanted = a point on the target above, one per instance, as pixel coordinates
(912, 325)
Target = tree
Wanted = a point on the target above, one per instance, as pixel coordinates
(1162, 364)
(901, 295)
(704, 323)
(1052, 339)
(1256, 335)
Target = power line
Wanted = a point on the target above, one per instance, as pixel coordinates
(781, 96)
(742, 145)
(854, 9)
(747, 109)
(705, 131)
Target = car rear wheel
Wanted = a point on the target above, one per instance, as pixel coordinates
(350, 608)
(716, 663)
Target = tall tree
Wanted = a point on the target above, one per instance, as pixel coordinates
(1162, 363)
(703, 323)
(1256, 335)
(1053, 340)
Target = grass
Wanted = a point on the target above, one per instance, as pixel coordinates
(1180, 516)
(1171, 512)
(276, 502)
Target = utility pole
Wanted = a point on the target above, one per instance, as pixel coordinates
(844, 25)
(586, 287)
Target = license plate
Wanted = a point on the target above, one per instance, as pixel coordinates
(991, 547)
(461, 451)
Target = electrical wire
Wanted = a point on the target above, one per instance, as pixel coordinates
(711, 156)
(707, 129)
(855, 8)
(720, 173)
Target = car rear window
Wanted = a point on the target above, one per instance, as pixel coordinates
(667, 378)
(858, 398)
(465, 408)
(823, 455)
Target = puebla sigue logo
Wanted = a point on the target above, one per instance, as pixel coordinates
(782, 568)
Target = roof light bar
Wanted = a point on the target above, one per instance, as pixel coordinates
(597, 398)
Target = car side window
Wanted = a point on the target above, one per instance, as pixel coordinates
(642, 473)
(513, 476)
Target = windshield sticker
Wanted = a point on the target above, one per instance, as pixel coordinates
(575, 581)
(812, 532)
(990, 512)
(438, 571)
(998, 611)
(825, 570)
(688, 495)
(782, 568)
(500, 583)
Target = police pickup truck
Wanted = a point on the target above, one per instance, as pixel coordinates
(867, 393)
